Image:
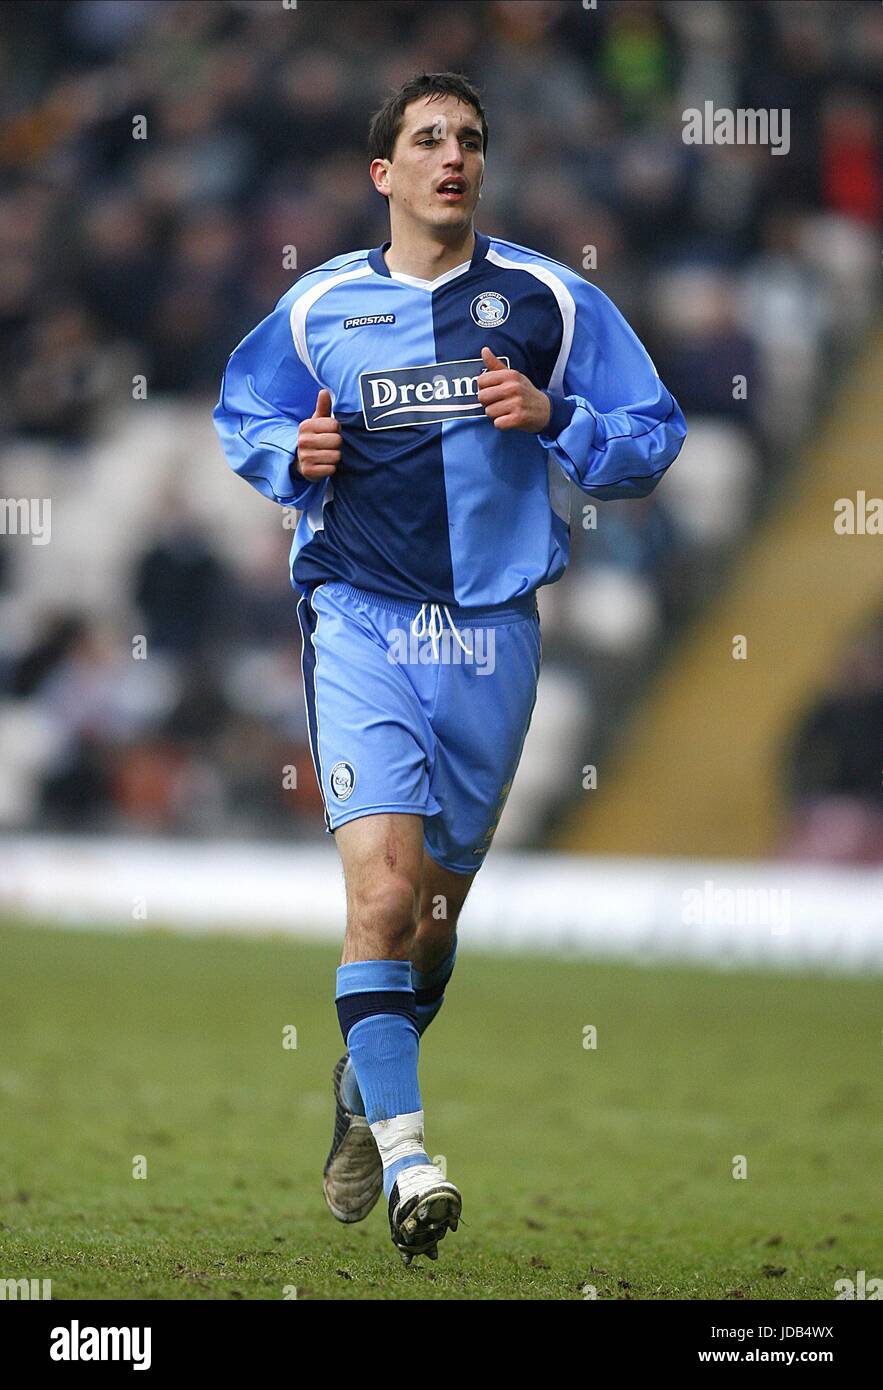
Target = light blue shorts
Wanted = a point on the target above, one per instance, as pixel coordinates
(419, 709)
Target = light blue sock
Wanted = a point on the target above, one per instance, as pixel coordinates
(429, 991)
(375, 1005)
(349, 1089)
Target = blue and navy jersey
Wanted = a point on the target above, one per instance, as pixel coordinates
(430, 501)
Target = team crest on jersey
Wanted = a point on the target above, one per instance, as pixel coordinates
(422, 395)
(343, 780)
(489, 309)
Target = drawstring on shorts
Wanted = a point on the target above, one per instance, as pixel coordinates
(436, 626)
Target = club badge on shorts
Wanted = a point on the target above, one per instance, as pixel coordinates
(343, 780)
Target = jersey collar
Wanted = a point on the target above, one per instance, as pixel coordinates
(379, 266)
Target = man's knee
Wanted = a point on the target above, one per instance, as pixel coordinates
(382, 860)
(384, 906)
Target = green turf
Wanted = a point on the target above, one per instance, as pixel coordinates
(608, 1167)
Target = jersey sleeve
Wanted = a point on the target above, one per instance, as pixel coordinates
(266, 392)
(614, 429)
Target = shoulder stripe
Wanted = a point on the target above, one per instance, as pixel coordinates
(566, 306)
(357, 258)
(302, 306)
(538, 255)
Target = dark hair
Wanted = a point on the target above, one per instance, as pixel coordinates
(387, 121)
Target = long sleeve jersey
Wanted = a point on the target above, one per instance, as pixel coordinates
(430, 501)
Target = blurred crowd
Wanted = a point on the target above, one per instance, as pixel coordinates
(158, 161)
(834, 762)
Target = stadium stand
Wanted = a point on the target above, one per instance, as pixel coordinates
(127, 258)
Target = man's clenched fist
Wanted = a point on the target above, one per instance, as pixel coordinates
(509, 399)
(318, 441)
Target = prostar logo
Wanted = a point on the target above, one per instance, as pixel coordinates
(368, 320)
(424, 395)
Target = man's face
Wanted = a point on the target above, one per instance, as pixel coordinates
(437, 166)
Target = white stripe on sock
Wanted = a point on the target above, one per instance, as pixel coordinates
(399, 1137)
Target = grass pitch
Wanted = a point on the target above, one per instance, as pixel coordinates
(608, 1168)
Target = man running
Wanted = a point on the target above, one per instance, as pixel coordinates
(426, 405)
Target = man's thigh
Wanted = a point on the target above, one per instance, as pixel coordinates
(383, 859)
(480, 722)
(388, 872)
(370, 734)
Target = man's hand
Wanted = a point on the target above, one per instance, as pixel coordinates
(318, 441)
(509, 399)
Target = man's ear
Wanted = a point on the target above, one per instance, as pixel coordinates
(380, 175)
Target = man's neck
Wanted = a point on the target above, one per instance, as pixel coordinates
(426, 258)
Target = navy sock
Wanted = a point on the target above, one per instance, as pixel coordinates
(429, 988)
